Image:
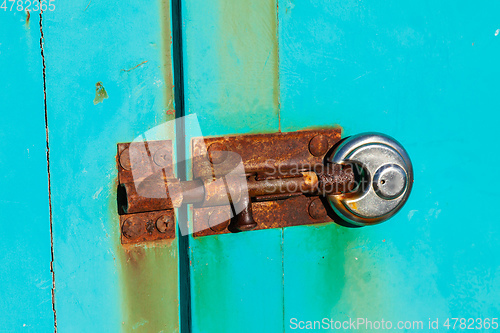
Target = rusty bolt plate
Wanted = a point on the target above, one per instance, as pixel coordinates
(268, 215)
(142, 227)
(139, 160)
(263, 153)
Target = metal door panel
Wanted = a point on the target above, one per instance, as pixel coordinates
(425, 73)
(231, 84)
(101, 285)
(25, 251)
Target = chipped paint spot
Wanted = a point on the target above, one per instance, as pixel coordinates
(497, 32)
(100, 93)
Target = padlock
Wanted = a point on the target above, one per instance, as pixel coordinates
(384, 178)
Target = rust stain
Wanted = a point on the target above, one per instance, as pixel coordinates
(28, 15)
(149, 287)
(128, 70)
(100, 93)
(148, 281)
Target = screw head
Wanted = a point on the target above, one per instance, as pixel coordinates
(316, 209)
(162, 157)
(219, 220)
(132, 227)
(125, 159)
(217, 152)
(318, 145)
(163, 223)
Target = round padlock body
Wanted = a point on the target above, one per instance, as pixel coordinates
(384, 183)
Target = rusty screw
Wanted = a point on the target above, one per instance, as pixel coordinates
(316, 209)
(219, 220)
(318, 145)
(217, 152)
(125, 159)
(132, 227)
(163, 222)
(162, 158)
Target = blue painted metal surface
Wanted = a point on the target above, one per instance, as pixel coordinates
(25, 277)
(425, 73)
(231, 83)
(100, 285)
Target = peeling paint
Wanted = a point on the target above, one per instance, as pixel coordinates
(100, 93)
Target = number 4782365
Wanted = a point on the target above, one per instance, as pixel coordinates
(28, 5)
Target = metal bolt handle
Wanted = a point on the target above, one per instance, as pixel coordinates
(385, 178)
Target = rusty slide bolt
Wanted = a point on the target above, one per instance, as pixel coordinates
(244, 220)
(172, 193)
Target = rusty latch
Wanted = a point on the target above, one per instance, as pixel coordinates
(240, 183)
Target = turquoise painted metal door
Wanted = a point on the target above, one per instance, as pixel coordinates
(77, 80)
(81, 78)
(424, 72)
